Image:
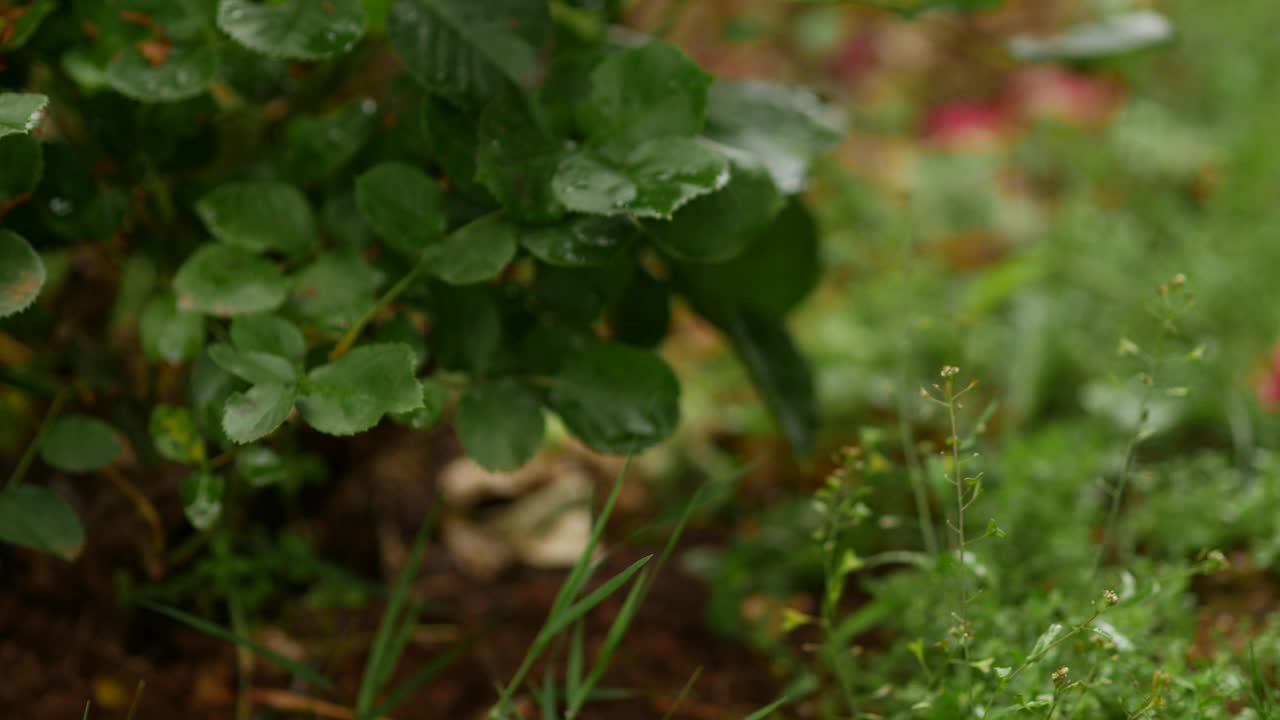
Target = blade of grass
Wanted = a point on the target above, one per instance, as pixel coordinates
(214, 630)
(573, 673)
(137, 695)
(547, 695)
(85, 716)
(415, 681)
(383, 655)
(594, 598)
(612, 639)
(684, 692)
(769, 709)
(578, 575)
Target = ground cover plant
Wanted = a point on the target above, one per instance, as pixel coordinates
(430, 358)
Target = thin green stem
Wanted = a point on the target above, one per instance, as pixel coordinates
(960, 542)
(29, 455)
(395, 291)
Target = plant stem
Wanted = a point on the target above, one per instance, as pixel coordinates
(29, 455)
(387, 298)
(960, 542)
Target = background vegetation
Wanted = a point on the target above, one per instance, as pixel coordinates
(1042, 480)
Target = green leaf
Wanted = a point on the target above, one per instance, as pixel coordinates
(402, 205)
(269, 334)
(219, 279)
(174, 434)
(435, 398)
(1115, 35)
(38, 518)
(21, 165)
(351, 394)
(580, 295)
(451, 134)
(581, 242)
(474, 253)
(259, 216)
(261, 466)
(320, 145)
(184, 74)
(21, 112)
(782, 127)
(334, 291)
(297, 29)
(79, 444)
(466, 327)
(644, 93)
(500, 424)
(256, 413)
(642, 315)
(253, 366)
(21, 274)
(773, 275)
(24, 25)
(719, 226)
(516, 160)
(208, 390)
(170, 334)
(468, 51)
(616, 399)
(779, 372)
(652, 180)
(201, 493)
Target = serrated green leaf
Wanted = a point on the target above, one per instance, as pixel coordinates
(21, 164)
(644, 93)
(500, 424)
(468, 51)
(466, 327)
(580, 295)
(21, 112)
(174, 434)
(21, 274)
(720, 225)
(170, 334)
(207, 392)
(779, 373)
(253, 366)
(435, 398)
(38, 518)
(772, 275)
(259, 216)
(616, 399)
(474, 253)
(782, 127)
(516, 160)
(79, 444)
(402, 205)
(351, 394)
(642, 315)
(184, 74)
(219, 279)
(652, 180)
(201, 493)
(269, 334)
(257, 412)
(582, 241)
(24, 25)
(296, 29)
(320, 145)
(451, 135)
(334, 291)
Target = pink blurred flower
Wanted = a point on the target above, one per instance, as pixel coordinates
(1059, 94)
(967, 125)
(1269, 386)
